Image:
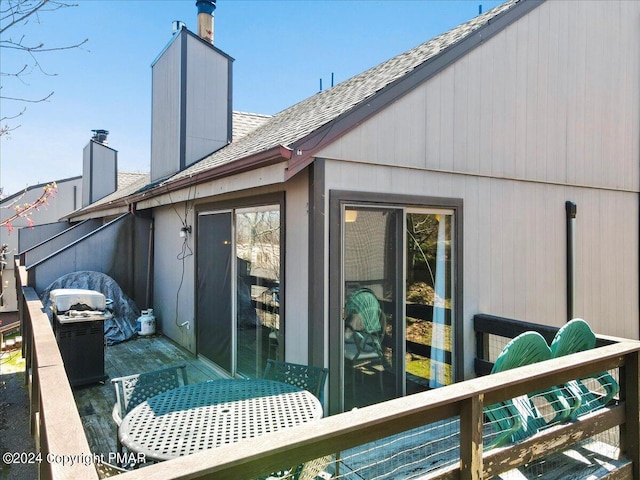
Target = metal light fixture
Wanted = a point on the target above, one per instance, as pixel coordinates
(185, 230)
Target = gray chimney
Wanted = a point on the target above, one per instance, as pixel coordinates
(205, 19)
(191, 99)
(99, 168)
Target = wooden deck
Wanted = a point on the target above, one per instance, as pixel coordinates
(595, 458)
(142, 354)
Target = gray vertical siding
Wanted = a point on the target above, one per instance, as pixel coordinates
(165, 109)
(551, 98)
(111, 249)
(207, 119)
(170, 285)
(546, 111)
(103, 173)
(514, 245)
(191, 104)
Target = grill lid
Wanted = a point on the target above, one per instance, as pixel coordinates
(64, 299)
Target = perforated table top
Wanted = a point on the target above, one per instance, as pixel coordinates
(207, 415)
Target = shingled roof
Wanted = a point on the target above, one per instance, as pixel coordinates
(295, 124)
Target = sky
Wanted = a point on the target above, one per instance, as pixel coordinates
(282, 49)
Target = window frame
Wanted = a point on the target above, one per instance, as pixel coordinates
(241, 203)
(337, 201)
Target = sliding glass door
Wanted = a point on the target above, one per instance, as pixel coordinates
(238, 291)
(397, 294)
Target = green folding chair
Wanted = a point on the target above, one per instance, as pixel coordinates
(365, 323)
(519, 418)
(577, 336)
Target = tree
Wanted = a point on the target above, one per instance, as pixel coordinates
(25, 210)
(13, 15)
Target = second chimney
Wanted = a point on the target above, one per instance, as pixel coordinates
(205, 19)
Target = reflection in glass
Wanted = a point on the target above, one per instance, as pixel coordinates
(429, 293)
(369, 293)
(258, 288)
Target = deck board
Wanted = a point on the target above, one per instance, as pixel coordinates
(142, 354)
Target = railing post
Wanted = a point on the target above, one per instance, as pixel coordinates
(630, 430)
(471, 438)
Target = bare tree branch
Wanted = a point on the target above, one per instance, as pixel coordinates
(19, 12)
(38, 48)
(21, 15)
(2, 119)
(26, 99)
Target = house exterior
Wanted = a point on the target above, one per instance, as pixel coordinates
(493, 169)
(47, 228)
(67, 199)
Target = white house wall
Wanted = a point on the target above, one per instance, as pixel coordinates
(168, 276)
(545, 112)
(552, 98)
(514, 245)
(168, 269)
(297, 269)
(269, 177)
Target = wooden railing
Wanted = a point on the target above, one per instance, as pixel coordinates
(62, 449)
(57, 427)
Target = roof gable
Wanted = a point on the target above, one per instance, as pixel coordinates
(311, 123)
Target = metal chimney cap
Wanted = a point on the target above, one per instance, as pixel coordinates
(206, 6)
(100, 136)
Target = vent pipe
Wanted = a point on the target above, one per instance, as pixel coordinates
(177, 25)
(572, 211)
(205, 19)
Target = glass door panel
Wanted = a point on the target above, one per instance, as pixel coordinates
(429, 300)
(214, 321)
(369, 293)
(258, 288)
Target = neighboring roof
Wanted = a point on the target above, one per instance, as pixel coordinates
(295, 123)
(128, 184)
(243, 123)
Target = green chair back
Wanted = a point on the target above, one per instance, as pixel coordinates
(576, 336)
(363, 303)
(525, 349)
(519, 418)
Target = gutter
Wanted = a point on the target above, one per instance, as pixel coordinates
(274, 155)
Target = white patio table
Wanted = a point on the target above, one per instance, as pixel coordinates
(207, 415)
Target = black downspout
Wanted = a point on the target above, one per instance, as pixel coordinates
(572, 211)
